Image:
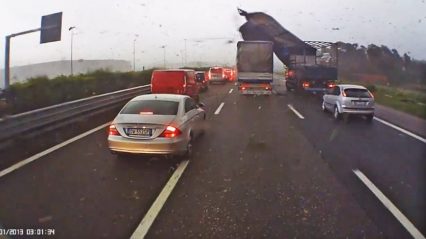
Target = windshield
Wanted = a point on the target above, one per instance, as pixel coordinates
(151, 107)
(294, 119)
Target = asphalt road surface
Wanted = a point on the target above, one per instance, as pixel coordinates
(260, 171)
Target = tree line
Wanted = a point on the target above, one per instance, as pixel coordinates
(380, 60)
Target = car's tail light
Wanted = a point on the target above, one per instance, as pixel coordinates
(305, 84)
(113, 130)
(170, 132)
(267, 88)
(243, 88)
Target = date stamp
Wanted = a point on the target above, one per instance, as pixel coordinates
(27, 232)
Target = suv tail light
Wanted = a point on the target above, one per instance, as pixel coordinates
(113, 130)
(170, 132)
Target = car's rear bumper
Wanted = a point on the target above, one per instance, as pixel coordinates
(147, 146)
(365, 111)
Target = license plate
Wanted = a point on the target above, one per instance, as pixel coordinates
(358, 103)
(139, 132)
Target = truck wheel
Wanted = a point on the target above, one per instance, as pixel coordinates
(287, 86)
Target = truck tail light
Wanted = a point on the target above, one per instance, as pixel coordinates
(331, 85)
(305, 84)
(112, 130)
(170, 132)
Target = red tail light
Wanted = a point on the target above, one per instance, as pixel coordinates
(113, 130)
(243, 88)
(331, 85)
(170, 132)
(305, 84)
(290, 74)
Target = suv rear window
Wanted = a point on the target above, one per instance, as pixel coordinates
(151, 107)
(357, 93)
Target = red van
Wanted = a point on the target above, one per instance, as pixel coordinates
(181, 82)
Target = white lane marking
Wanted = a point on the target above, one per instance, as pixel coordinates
(401, 129)
(49, 150)
(389, 205)
(219, 108)
(152, 213)
(295, 111)
(230, 91)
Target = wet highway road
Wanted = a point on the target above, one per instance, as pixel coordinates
(260, 171)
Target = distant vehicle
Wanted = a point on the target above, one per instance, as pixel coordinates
(163, 124)
(349, 99)
(217, 75)
(229, 74)
(200, 78)
(179, 81)
(255, 67)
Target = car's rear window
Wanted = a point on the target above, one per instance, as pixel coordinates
(357, 93)
(151, 107)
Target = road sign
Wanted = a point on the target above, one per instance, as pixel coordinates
(51, 28)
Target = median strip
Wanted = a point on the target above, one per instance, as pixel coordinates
(389, 205)
(219, 108)
(159, 202)
(295, 111)
(49, 150)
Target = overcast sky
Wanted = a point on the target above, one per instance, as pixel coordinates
(106, 29)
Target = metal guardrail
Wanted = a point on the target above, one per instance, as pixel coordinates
(56, 115)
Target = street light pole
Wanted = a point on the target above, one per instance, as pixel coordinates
(164, 56)
(185, 52)
(72, 37)
(134, 50)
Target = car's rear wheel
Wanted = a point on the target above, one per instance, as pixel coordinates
(189, 148)
(370, 118)
(336, 114)
(323, 107)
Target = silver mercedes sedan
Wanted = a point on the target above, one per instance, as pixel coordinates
(157, 124)
(349, 99)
